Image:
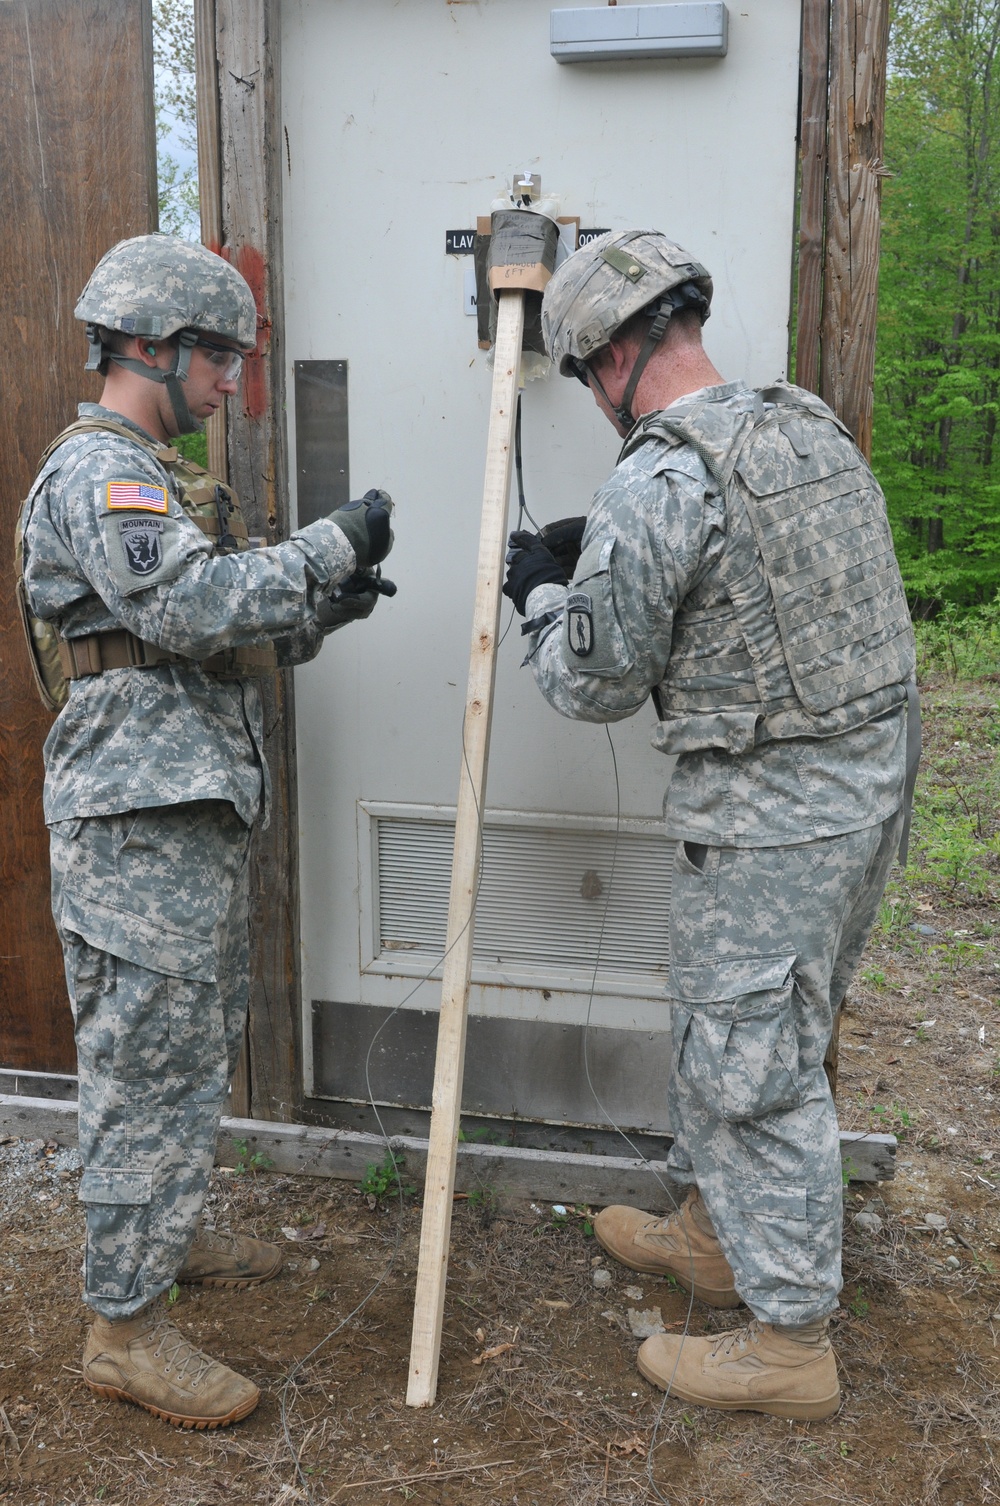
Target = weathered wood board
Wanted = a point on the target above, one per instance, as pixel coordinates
(510, 1172)
(78, 171)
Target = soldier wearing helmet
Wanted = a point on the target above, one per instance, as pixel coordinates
(737, 569)
(163, 616)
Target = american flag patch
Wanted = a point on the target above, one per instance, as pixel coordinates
(130, 495)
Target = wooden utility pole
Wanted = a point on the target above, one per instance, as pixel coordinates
(859, 40)
(210, 186)
(248, 70)
(841, 139)
(439, 1184)
(814, 100)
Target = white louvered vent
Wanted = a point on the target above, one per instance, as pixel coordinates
(543, 898)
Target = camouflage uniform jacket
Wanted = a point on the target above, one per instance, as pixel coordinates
(133, 738)
(652, 561)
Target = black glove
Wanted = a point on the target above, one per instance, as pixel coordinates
(366, 524)
(353, 598)
(563, 539)
(334, 613)
(529, 564)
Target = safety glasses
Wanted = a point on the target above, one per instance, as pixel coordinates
(228, 362)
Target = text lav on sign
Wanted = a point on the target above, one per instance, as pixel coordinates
(459, 242)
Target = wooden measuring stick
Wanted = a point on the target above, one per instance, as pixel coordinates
(449, 1065)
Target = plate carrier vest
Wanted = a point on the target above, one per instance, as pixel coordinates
(801, 503)
(211, 506)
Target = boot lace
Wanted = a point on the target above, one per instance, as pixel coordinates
(737, 1339)
(221, 1244)
(181, 1356)
(671, 1224)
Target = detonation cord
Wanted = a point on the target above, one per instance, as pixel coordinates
(522, 506)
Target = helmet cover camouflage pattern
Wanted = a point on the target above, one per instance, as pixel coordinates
(603, 284)
(159, 284)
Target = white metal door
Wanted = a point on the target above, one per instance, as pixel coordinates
(403, 121)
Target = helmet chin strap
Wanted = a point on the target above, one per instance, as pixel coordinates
(654, 335)
(172, 379)
(686, 296)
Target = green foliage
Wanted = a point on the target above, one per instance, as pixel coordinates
(484, 1202)
(579, 1216)
(481, 1135)
(247, 1161)
(949, 850)
(858, 1304)
(194, 447)
(937, 380)
(960, 645)
(386, 1180)
(955, 844)
(896, 914)
(891, 1119)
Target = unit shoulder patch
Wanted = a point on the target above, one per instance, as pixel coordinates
(136, 496)
(580, 624)
(142, 543)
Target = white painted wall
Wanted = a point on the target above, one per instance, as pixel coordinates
(404, 119)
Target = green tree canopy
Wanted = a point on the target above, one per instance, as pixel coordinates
(938, 356)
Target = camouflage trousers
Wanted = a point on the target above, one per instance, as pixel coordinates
(151, 908)
(764, 943)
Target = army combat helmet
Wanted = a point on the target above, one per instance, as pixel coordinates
(160, 285)
(601, 286)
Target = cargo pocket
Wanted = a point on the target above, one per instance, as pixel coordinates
(142, 1023)
(593, 639)
(735, 1037)
(691, 858)
(776, 1235)
(117, 1205)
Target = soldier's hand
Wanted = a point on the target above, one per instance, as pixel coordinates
(529, 564)
(353, 598)
(563, 539)
(366, 524)
(334, 612)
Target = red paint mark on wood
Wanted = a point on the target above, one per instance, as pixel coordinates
(250, 264)
(254, 388)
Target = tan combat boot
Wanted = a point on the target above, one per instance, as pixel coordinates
(231, 1260)
(760, 1368)
(147, 1361)
(683, 1245)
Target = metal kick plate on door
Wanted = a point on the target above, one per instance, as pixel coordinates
(322, 463)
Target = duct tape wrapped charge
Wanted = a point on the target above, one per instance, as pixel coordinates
(522, 250)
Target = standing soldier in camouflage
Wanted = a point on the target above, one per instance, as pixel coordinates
(737, 567)
(152, 617)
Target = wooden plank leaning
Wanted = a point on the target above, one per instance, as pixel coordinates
(446, 1104)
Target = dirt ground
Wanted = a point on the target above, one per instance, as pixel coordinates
(539, 1403)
